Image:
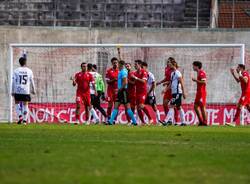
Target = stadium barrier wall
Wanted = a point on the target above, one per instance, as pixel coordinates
(65, 112)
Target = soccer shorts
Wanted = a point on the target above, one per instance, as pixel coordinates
(244, 99)
(22, 97)
(176, 99)
(95, 100)
(140, 98)
(111, 94)
(132, 99)
(122, 96)
(167, 95)
(83, 99)
(200, 98)
(150, 100)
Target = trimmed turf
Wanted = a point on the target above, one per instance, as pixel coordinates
(121, 154)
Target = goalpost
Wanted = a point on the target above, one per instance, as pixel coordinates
(53, 64)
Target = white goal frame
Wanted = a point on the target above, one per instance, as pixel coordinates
(14, 45)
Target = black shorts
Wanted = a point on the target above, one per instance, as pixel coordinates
(95, 100)
(122, 96)
(176, 99)
(150, 100)
(22, 98)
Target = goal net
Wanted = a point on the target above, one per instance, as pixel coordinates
(54, 64)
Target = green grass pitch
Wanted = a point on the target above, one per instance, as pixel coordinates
(120, 154)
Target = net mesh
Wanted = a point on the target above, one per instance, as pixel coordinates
(53, 67)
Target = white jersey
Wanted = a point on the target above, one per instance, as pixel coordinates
(94, 74)
(22, 80)
(150, 81)
(175, 84)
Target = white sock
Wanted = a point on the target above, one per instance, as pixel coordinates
(158, 115)
(18, 110)
(93, 112)
(182, 115)
(25, 112)
(170, 115)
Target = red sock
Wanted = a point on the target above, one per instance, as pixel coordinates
(140, 114)
(127, 116)
(86, 114)
(147, 112)
(176, 115)
(166, 109)
(236, 116)
(109, 111)
(77, 116)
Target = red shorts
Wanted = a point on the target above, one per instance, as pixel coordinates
(200, 98)
(244, 99)
(167, 95)
(83, 99)
(140, 98)
(111, 95)
(132, 100)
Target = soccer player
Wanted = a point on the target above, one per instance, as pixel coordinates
(83, 80)
(150, 99)
(243, 79)
(111, 79)
(22, 80)
(140, 76)
(201, 93)
(167, 91)
(122, 95)
(131, 89)
(99, 86)
(177, 90)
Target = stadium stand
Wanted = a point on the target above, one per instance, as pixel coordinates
(234, 14)
(105, 13)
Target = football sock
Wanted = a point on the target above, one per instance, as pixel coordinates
(113, 115)
(18, 111)
(158, 115)
(93, 112)
(147, 113)
(176, 117)
(170, 115)
(140, 114)
(109, 111)
(237, 114)
(182, 115)
(131, 115)
(25, 112)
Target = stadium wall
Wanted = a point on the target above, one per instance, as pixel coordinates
(83, 35)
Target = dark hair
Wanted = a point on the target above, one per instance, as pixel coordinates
(144, 64)
(121, 62)
(242, 66)
(89, 66)
(173, 62)
(128, 64)
(113, 59)
(171, 59)
(94, 66)
(138, 61)
(198, 64)
(22, 61)
(83, 64)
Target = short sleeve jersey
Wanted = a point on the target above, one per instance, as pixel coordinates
(121, 75)
(175, 84)
(150, 81)
(22, 80)
(141, 88)
(110, 75)
(83, 80)
(245, 87)
(201, 88)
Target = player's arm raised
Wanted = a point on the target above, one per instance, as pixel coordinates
(32, 84)
(233, 73)
(73, 80)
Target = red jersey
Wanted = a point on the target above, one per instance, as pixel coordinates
(245, 87)
(141, 88)
(201, 88)
(110, 75)
(168, 72)
(83, 80)
(131, 87)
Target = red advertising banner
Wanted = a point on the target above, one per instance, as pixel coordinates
(218, 114)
